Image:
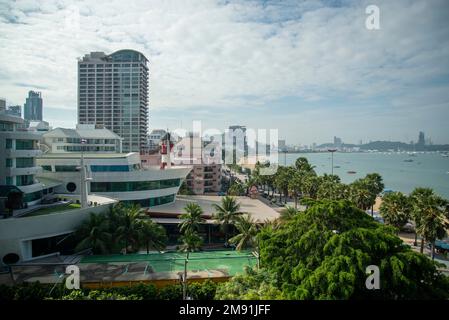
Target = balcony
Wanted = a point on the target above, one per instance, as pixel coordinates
(23, 171)
(10, 153)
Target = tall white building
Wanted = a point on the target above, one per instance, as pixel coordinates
(18, 166)
(113, 91)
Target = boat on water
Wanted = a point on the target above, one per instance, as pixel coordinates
(408, 160)
(352, 172)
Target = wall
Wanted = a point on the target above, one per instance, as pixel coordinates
(15, 233)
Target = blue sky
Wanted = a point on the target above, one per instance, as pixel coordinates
(308, 68)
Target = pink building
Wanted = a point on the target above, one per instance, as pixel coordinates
(205, 157)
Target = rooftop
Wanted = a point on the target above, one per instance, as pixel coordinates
(257, 209)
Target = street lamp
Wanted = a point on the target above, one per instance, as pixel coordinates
(332, 157)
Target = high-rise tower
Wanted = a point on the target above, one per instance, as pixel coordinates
(32, 109)
(113, 92)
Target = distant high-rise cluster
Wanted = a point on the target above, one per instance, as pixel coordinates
(113, 91)
(421, 139)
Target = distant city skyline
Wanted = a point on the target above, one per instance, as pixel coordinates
(310, 69)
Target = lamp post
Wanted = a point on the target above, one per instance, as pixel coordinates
(83, 179)
(332, 161)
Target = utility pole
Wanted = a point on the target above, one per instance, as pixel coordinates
(184, 279)
(83, 187)
(332, 161)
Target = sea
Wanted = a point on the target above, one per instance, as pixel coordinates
(400, 171)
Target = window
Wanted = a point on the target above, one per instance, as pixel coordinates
(8, 163)
(9, 181)
(66, 168)
(46, 168)
(28, 197)
(133, 185)
(116, 168)
(4, 126)
(151, 202)
(8, 144)
(24, 180)
(24, 162)
(24, 144)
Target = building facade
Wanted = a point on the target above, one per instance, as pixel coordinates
(32, 109)
(18, 165)
(14, 111)
(205, 157)
(95, 139)
(154, 138)
(113, 91)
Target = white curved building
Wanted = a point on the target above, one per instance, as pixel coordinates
(111, 173)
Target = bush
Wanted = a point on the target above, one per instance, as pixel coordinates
(144, 291)
(170, 292)
(202, 291)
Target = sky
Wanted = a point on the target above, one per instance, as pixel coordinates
(310, 69)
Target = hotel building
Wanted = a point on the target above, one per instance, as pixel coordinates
(113, 92)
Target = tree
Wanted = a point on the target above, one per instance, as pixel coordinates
(247, 228)
(330, 188)
(375, 185)
(14, 201)
(395, 209)
(94, 234)
(302, 164)
(252, 285)
(190, 242)
(192, 218)
(295, 185)
(310, 185)
(323, 254)
(152, 235)
(288, 213)
(430, 213)
(236, 189)
(227, 213)
(361, 194)
(130, 228)
(281, 181)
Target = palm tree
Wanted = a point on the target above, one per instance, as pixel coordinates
(192, 218)
(302, 164)
(430, 213)
(376, 186)
(330, 188)
(288, 213)
(94, 234)
(395, 209)
(226, 213)
(130, 226)
(295, 186)
(248, 229)
(191, 242)
(361, 195)
(152, 235)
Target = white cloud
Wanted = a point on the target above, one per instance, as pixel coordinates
(204, 53)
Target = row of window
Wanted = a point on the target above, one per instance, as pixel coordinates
(133, 185)
(151, 202)
(94, 168)
(33, 196)
(114, 168)
(85, 148)
(6, 126)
